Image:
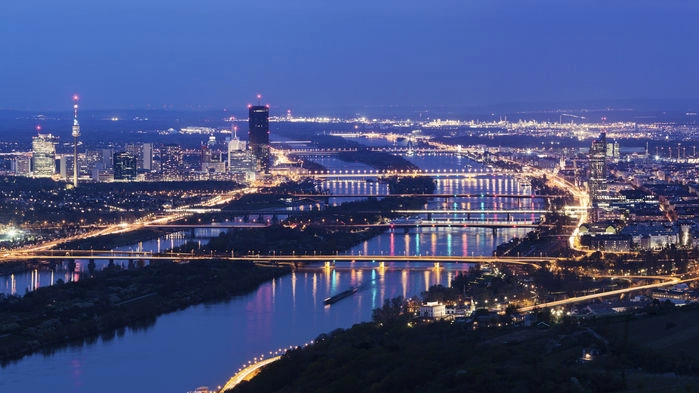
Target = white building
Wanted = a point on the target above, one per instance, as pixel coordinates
(433, 310)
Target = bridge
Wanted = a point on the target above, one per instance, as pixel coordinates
(446, 196)
(213, 225)
(425, 223)
(376, 174)
(338, 150)
(473, 211)
(275, 259)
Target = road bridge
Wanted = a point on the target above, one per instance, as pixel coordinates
(473, 211)
(350, 174)
(275, 258)
(446, 196)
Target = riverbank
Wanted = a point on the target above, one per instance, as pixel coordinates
(51, 317)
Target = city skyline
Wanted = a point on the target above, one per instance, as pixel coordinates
(190, 56)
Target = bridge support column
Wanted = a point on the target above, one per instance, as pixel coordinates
(327, 265)
(382, 265)
(436, 265)
(495, 231)
(192, 233)
(509, 217)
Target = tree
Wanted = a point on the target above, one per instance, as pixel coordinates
(390, 313)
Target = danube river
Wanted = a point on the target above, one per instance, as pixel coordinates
(206, 344)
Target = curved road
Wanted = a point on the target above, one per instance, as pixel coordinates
(247, 373)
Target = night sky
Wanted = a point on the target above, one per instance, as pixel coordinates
(213, 54)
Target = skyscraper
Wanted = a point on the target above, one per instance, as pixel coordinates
(76, 134)
(241, 161)
(171, 161)
(44, 155)
(124, 166)
(258, 135)
(598, 167)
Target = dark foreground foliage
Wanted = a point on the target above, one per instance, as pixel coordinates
(626, 354)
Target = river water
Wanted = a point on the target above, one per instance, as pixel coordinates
(206, 344)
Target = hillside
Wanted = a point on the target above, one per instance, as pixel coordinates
(653, 352)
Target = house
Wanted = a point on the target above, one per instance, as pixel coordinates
(434, 310)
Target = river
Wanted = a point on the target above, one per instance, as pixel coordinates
(206, 344)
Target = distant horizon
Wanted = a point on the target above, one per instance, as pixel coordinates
(633, 104)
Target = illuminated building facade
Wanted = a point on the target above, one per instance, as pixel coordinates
(171, 161)
(241, 161)
(598, 168)
(124, 166)
(44, 155)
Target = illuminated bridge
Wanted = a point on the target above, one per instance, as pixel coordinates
(445, 196)
(349, 173)
(295, 260)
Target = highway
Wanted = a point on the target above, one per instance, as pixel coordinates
(669, 280)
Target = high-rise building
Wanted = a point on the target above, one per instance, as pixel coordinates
(44, 155)
(147, 156)
(241, 162)
(22, 165)
(76, 134)
(613, 152)
(171, 161)
(124, 166)
(258, 135)
(598, 167)
(143, 153)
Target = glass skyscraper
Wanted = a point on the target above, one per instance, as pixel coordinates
(258, 135)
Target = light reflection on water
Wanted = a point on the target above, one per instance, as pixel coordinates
(205, 344)
(23, 282)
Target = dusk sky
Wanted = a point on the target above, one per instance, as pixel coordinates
(212, 54)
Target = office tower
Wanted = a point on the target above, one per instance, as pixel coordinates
(76, 134)
(63, 166)
(171, 161)
(258, 136)
(241, 162)
(147, 152)
(143, 153)
(598, 167)
(44, 155)
(22, 165)
(613, 152)
(124, 166)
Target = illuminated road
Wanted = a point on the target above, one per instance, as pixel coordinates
(171, 216)
(668, 281)
(247, 373)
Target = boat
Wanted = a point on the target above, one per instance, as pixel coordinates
(336, 298)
